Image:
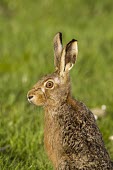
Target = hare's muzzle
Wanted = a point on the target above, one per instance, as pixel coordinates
(36, 96)
(30, 97)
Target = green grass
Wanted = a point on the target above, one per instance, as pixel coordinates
(27, 28)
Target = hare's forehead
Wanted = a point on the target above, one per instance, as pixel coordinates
(55, 79)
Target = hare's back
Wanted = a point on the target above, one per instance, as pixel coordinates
(81, 138)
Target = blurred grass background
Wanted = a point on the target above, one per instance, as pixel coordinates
(27, 28)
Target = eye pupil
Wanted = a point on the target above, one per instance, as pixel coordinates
(49, 84)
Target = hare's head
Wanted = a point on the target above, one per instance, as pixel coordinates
(55, 88)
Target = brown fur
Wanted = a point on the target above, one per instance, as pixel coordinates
(71, 136)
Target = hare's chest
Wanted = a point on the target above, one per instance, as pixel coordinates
(51, 139)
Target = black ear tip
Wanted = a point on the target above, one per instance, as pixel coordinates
(71, 42)
(74, 40)
(60, 35)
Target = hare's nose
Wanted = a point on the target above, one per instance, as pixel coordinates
(30, 97)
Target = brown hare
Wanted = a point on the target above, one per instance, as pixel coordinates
(71, 136)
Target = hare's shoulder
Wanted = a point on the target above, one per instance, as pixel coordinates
(75, 112)
(77, 121)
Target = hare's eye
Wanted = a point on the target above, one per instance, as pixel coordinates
(49, 84)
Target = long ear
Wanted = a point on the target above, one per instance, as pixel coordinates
(69, 56)
(57, 49)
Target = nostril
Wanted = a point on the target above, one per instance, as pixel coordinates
(30, 97)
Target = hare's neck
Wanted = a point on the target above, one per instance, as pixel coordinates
(60, 108)
(53, 120)
(54, 107)
(53, 110)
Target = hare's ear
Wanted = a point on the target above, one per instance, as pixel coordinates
(57, 50)
(69, 56)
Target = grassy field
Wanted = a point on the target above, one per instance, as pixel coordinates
(27, 28)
